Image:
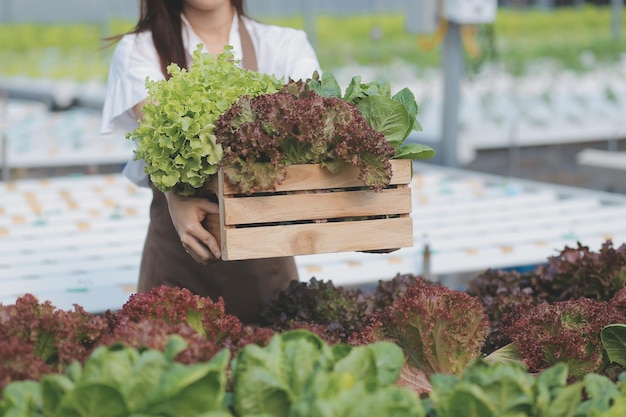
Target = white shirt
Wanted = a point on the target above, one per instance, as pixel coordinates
(283, 52)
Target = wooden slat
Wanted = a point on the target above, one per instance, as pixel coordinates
(321, 205)
(314, 177)
(305, 239)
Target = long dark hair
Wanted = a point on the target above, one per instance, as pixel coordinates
(162, 19)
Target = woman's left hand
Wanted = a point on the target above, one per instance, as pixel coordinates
(188, 214)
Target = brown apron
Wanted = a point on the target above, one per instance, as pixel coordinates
(244, 285)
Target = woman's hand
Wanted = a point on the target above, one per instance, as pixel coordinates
(187, 214)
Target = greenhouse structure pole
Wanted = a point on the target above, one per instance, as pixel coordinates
(310, 22)
(4, 141)
(545, 4)
(617, 7)
(452, 72)
(6, 15)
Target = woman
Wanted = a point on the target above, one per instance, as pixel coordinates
(178, 250)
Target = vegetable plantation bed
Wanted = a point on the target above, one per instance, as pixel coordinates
(314, 211)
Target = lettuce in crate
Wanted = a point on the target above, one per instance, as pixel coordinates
(312, 122)
(263, 135)
(175, 137)
(393, 116)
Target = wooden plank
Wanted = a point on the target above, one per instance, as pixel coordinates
(305, 239)
(314, 177)
(313, 206)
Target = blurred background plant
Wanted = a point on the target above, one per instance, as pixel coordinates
(575, 38)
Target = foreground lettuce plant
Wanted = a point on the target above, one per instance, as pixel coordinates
(567, 331)
(508, 390)
(296, 375)
(37, 338)
(119, 382)
(299, 375)
(440, 330)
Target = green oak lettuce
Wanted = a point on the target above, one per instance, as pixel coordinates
(120, 381)
(299, 375)
(485, 390)
(175, 137)
(510, 390)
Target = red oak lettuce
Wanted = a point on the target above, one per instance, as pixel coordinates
(260, 136)
(441, 330)
(565, 331)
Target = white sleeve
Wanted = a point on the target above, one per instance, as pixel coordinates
(282, 51)
(134, 60)
(303, 60)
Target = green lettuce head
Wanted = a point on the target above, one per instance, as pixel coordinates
(175, 137)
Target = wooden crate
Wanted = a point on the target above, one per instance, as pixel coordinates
(308, 215)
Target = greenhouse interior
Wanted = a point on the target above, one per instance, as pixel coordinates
(188, 187)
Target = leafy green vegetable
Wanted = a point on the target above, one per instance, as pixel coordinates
(613, 339)
(414, 151)
(299, 375)
(21, 399)
(341, 309)
(387, 116)
(406, 97)
(356, 91)
(394, 116)
(176, 137)
(485, 390)
(119, 381)
(325, 87)
(618, 407)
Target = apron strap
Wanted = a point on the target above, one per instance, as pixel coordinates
(249, 55)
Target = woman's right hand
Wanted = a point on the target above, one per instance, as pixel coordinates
(188, 214)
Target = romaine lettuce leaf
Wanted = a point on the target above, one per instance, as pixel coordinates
(414, 151)
(388, 116)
